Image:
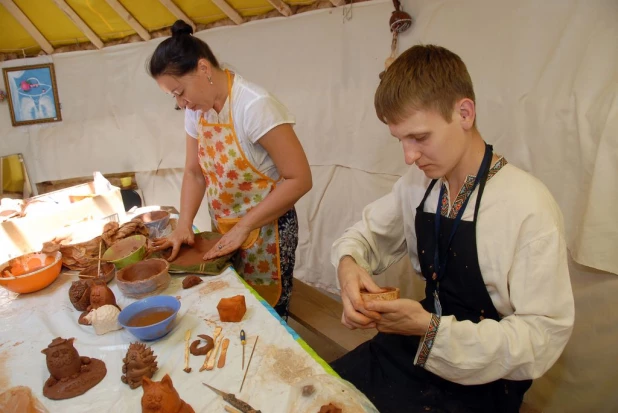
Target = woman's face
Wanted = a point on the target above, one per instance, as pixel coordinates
(193, 90)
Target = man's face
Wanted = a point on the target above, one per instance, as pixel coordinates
(433, 144)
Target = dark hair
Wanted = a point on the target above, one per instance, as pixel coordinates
(423, 77)
(178, 55)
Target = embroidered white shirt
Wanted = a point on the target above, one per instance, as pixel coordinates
(523, 259)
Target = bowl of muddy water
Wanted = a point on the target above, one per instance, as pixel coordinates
(144, 278)
(150, 318)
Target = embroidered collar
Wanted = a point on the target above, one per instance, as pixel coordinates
(466, 190)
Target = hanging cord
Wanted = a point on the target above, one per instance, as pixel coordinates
(347, 11)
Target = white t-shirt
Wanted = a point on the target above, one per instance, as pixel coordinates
(255, 112)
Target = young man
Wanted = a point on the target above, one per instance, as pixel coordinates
(488, 240)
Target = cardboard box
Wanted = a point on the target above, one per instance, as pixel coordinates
(76, 209)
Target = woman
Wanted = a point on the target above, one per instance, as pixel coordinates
(242, 151)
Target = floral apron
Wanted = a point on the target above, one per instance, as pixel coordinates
(234, 186)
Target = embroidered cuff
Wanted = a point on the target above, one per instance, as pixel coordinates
(427, 343)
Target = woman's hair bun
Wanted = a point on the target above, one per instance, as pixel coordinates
(180, 27)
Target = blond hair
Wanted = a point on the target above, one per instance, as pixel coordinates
(421, 78)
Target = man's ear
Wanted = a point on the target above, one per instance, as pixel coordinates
(467, 113)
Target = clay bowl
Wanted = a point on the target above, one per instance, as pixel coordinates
(36, 271)
(390, 293)
(152, 331)
(155, 221)
(126, 251)
(144, 278)
(108, 271)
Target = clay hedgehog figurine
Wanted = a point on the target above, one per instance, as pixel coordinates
(139, 362)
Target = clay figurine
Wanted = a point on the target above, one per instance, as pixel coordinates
(202, 351)
(104, 319)
(100, 295)
(71, 375)
(190, 280)
(162, 397)
(329, 408)
(139, 362)
(232, 309)
(79, 294)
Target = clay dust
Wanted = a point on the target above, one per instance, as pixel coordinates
(5, 380)
(214, 286)
(286, 365)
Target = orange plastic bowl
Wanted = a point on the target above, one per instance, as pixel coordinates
(32, 272)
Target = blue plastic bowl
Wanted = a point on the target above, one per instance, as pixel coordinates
(153, 331)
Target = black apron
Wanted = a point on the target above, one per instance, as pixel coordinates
(383, 368)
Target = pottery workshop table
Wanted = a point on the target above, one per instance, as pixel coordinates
(281, 365)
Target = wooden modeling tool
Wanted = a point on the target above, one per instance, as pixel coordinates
(211, 354)
(224, 346)
(248, 364)
(243, 341)
(231, 399)
(99, 264)
(187, 369)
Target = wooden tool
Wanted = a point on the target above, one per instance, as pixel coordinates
(210, 357)
(99, 263)
(243, 341)
(231, 409)
(224, 346)
(231, 399)
(248, 364)
(187, 369)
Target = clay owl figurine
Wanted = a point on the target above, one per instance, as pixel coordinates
(162, 397)
(139, 362)
(70, 374)
(100, 295)
(62, 359)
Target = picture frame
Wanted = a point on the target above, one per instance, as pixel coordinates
(32, 94)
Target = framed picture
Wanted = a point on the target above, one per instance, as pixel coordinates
(32, 94)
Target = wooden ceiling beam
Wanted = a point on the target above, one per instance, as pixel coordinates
(81, 25)
(178, 13)
(229, 11)
(27, 24)
(128, 17)
(281, 7)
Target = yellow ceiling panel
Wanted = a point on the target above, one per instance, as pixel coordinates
(53, 24)
(203, 12)
(12, 34)
(101, 18)
(149, 13)
(251, 7)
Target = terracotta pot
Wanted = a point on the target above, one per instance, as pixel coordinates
(390, 293)
(144, 278)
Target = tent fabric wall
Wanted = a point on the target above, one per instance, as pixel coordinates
(546, 78)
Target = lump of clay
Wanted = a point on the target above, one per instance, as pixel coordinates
(70, 374)
(232, 309)
(162, 397)
(329, 408)
(308, 390)
(104, 319)
(79, 294)
(139, 362)
(202, 351)
(100, 295)
(20, 399)
(190, 280)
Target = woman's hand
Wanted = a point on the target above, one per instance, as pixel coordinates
(181, 235)
(229, 243)
(353, 278)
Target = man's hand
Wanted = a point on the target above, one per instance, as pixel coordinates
(353, 278)
(403, 316)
